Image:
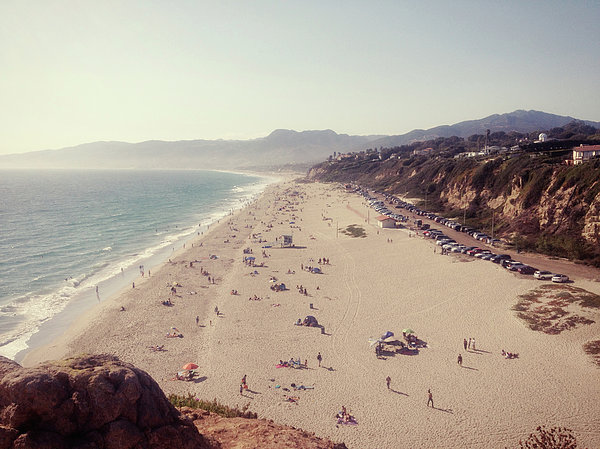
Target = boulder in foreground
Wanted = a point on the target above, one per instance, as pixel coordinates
(88, 402)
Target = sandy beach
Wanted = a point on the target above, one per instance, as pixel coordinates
(386, 281)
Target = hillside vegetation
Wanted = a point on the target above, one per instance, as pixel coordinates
(535, 200)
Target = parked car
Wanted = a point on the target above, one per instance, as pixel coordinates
(543, 275)
(515, 266)
(526, 269)
(467, 249)
(506, 263)
(482, 253)
(474, 251)
(560, 278)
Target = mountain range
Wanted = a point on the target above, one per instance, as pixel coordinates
(280, 148)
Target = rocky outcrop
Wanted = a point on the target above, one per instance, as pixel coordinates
(242, 433)
(88, 402)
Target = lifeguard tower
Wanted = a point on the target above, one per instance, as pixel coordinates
(286, 241)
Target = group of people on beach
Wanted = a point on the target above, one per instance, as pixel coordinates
(343, 417)
(469, 344)
(291, 363)
(509, 355)
(302, 290)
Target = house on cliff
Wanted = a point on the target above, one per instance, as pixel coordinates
(583, 153)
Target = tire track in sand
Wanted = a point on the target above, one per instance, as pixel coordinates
(340, 334)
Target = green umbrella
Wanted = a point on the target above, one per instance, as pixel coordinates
(408, 330)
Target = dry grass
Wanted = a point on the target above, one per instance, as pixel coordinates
(354, 231)
(545, 308)
(593, 348)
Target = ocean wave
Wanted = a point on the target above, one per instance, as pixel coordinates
(42, 305)
(35, 310)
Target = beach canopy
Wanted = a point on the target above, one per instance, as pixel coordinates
(387, 335)
(408, 330)
(189, 366)
(250, 258)
(310, 321)
(316, 270)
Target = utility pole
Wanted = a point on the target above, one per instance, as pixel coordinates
(493, 227)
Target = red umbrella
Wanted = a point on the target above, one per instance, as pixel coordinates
(190, 366)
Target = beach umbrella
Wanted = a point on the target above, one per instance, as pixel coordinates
(189, 366)
(408, 330)
(388, 334)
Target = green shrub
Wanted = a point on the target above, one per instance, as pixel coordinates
(212, 406)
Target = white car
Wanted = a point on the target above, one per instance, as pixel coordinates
(560, 278)
(543, 275)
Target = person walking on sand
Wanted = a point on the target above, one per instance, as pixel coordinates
(460, 359)
(465, 343)
(319, 358)
(388, 381)
(473, 344)
(197, 320)
(469, 345)
(430, 398)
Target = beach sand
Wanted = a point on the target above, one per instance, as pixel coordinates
(370, 286)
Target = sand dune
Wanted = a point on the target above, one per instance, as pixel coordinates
(371, 285)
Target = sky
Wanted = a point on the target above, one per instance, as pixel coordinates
(78, 71)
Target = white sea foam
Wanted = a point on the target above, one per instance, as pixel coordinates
(32, 309)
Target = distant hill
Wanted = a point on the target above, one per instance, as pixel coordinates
(520, 121)
(281, 147)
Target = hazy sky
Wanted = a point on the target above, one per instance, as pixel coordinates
(77, 71)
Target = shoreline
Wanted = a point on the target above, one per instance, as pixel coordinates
(385, 281)
(117, 284)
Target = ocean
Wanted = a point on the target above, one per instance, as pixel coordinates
(72, 238)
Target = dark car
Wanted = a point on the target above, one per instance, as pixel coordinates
(506, 262)
(526, 269)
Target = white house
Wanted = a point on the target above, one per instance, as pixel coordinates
(386, 222)
(584, 152)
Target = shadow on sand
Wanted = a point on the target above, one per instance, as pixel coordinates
(468, 367)
(398, 392)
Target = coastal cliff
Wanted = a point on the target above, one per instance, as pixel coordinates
(101, 402)
(532, 200)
